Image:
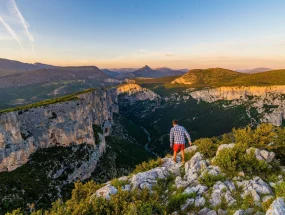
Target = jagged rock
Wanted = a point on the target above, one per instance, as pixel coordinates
(105, 192)
(204, 211)
(196, 163)
(212, 212)
(191, 176)
(187, 204)
(222, 212)
(224, 146)
(200, 201)
(190, 149)
(230, 200)
(179, 182)
(148, 179)
(277, 207)
(255, 187)
(200, 189)
(189, 190)
(221, 190)
(230, 185)
(262, 154)
(127, 187)
(172, 166)
(212, 170)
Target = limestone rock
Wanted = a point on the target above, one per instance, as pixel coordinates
(148, 179)
(106, 192)
(200, 201)
(61, 124)
(257, 96)
(262, 154)
(277, 207)
(196, 163)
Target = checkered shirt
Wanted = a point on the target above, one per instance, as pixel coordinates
(177, 135)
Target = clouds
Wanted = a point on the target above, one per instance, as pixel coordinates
(11, 32)
(14, 23)
(24, 23)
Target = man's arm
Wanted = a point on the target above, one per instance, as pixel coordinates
(188, 136)
(171, 137)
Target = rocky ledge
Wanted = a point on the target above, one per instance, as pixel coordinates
(210, 190)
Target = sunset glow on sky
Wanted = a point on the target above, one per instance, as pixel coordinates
(234, 34)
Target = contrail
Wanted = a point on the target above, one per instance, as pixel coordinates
(24, 23)
(12, 32)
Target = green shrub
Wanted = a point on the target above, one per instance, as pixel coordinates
(227, 159)
(189, 155)
(119, 183)
(209, 179)
(280, 190)
(207, 147)
(145, 166)
(178, 199)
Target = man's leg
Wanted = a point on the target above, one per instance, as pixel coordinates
(182, 154)
(174, 156)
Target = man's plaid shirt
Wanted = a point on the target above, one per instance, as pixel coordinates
(177, 135)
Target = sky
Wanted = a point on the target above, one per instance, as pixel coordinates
(233, 34)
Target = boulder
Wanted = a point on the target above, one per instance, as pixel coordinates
(196, 163)
(277, 207)
(149, 178)
(105, 192)
(200, 201)
(262, 154)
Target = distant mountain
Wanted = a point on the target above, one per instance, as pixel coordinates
(110, 73)
(207, 77)
(59, 74)
(256, 70)
(170, 72)
(123, 70)
(148, 72)
(17, 66)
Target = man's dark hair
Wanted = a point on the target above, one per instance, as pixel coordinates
(175, 122)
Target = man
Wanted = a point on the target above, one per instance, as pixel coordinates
(177, 136)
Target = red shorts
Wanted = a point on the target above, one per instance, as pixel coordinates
(177, 147)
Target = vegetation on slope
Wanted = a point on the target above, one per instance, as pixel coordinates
(70, 97)
(275, 77)
(217, 77)
(208, 77)
(200, 119)
(32, 182)
(165, 198)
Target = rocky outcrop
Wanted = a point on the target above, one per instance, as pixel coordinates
(213, 198)
(61, 124)
(268, 101)
(277, 207)
(133, 93)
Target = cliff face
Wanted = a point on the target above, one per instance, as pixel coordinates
(61, 124)
(134, 92)
(268, 101)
